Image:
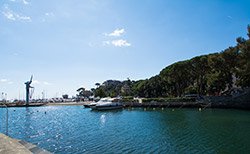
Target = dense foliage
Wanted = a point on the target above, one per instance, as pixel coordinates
(210, 74)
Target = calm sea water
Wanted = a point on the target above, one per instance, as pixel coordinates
(73, 129)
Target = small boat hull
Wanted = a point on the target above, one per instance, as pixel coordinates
(93, 107)
(101, 108)
(90, 105)
(86, 106)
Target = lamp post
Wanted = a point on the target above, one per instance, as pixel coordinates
(6, 97)
(2, 96)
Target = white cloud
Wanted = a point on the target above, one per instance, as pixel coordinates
(25, 2)
(23, 18)
(36, 82)
(117, 32)
(10, 82)
(50, 14)
(6, 81)
(106, 43)
(120, 43)
(116, 42)
(11, 15)
(46, 83)
(3, 80)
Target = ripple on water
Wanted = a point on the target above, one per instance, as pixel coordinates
(72, 129)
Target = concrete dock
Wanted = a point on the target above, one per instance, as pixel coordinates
(9, 145)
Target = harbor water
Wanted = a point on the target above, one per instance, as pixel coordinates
(73, 129)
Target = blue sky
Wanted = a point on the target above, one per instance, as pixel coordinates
(67, 44)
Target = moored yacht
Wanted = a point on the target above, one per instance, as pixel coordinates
(108, 104)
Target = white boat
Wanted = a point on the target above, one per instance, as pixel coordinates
(108, 104)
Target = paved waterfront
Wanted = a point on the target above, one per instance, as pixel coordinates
(12, 146)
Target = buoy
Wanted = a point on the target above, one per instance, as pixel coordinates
(199, 109)
(162, 108)
(153, 108)
(172, 109)
(145, 109)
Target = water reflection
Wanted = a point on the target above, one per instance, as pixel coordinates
(27, 123)
(3, 120)
(103, 120)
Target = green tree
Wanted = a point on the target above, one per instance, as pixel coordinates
(100, 92)
(80, 91)
(97, 85)
(200, 69)
(177, 77)
(244, 64)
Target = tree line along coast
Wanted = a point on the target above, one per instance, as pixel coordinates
(224, 73)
